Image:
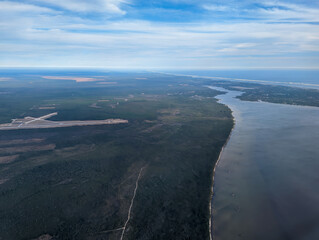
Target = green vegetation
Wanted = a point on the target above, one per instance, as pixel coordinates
(79, 182)
(272, 93)
(82, 187)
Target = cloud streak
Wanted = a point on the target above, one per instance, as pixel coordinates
(106, 6)
(17, 7)
(65, 33)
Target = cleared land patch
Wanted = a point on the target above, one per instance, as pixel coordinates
(29, 123)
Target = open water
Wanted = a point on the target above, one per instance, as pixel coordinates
(267, 180)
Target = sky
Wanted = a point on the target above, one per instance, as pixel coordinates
(154, 34)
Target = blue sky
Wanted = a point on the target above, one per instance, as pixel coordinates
(154, 34)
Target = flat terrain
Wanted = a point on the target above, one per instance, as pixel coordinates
(26, 123)
(149, 178)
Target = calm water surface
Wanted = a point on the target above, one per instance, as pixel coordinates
(267, 180)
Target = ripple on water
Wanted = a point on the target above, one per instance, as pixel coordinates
(266, 182)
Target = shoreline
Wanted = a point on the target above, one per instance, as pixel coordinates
(260, 82)
(211, 195)
(264, 82)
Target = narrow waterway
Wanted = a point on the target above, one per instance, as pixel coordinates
(267, 180)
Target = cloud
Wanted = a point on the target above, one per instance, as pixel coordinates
(106, 6)
(276, 10)
(7, 6)
(62, 33)
(267, 11)
(218, 8)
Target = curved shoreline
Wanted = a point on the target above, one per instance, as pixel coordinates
(275, 83)
(211, 223)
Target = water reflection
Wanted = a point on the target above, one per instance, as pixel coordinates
(267, 182)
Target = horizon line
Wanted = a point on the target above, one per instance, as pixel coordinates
(159, 68)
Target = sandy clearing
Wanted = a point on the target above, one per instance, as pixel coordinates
(2, 181)
(44, 237)
(8, 159)
(94, 105)
(77, 79)
(22, 149)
